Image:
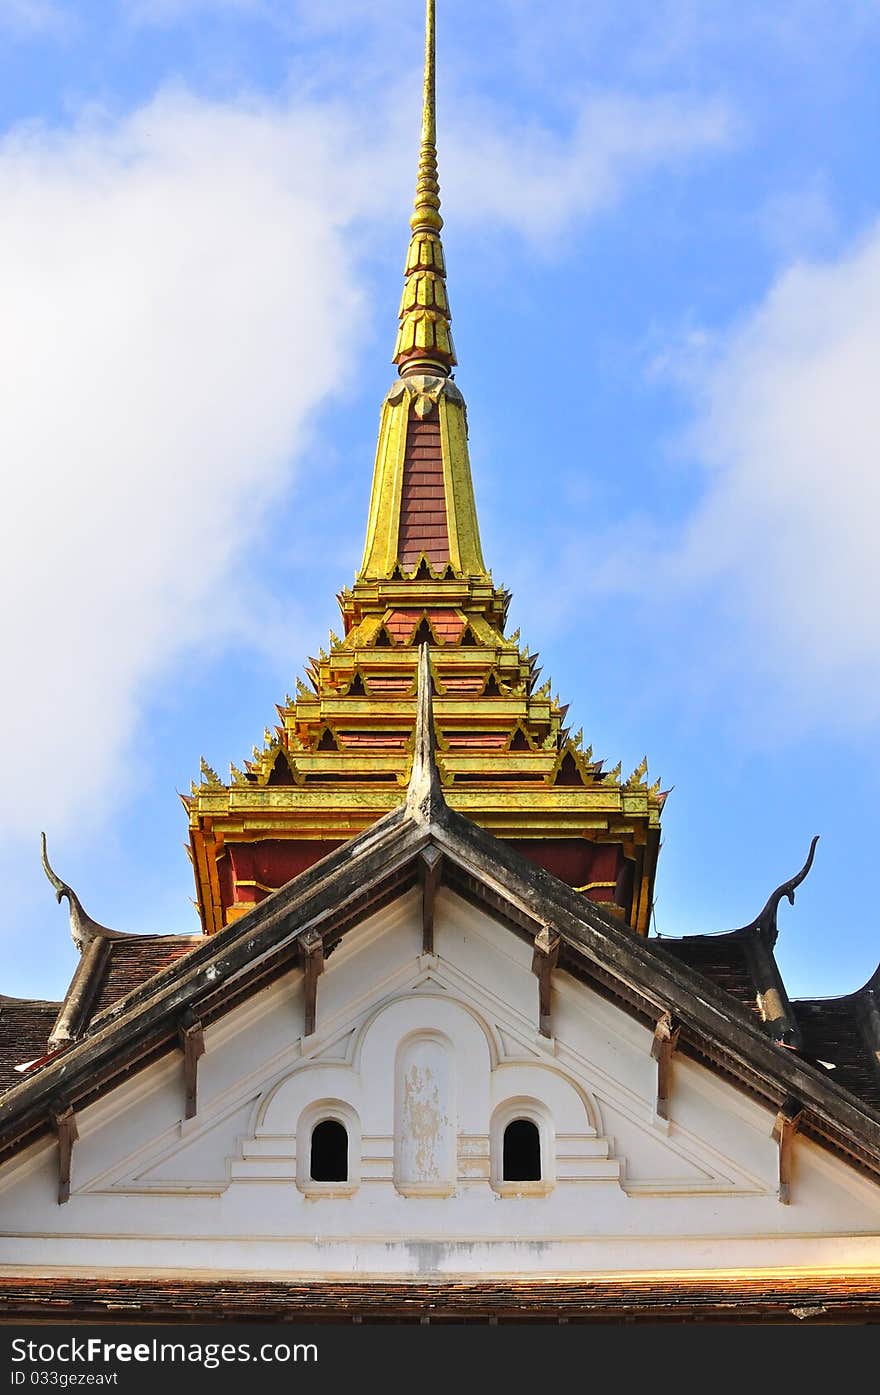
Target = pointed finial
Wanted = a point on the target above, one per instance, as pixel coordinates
(424, 340)
(426, 212)
(82, 928)
(765, 922)
(424, 795)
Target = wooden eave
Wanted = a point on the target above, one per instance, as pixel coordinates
(370, 871)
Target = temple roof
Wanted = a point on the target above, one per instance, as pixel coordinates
(25, 1025)
(339, 756)
(718, 1021)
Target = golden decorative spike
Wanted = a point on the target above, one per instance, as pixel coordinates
(335, 641)
(424, 339)
(638, 775)
(209, 775)
(614, 775)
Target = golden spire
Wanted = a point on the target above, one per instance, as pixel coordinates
(422, 510)
(424, 339)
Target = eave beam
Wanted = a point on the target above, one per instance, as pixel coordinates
(544, 957)
(192, 1042)
(312, 945)
(784, 1129)
(662, 1050)
(64, 1121)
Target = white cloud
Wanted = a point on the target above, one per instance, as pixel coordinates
(173, 291)
(540, 183)
(179, 295)
(32, 17)
(768, 585)
(789, 428)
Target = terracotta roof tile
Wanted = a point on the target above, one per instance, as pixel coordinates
(25, 1025)
(720, 1298)
(135, 959)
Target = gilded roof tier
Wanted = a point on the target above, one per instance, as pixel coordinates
(340, 754)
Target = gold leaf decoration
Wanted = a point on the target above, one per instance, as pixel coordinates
(638, 775)
(209, 775)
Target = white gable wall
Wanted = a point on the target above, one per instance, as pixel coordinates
(424, 1059)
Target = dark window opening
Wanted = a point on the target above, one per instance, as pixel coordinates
(329, 1152)
(521, 1156)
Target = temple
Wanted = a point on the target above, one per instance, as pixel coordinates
(423, 1058)
(340, 754)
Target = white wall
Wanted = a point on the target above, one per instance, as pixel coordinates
(425, 1059)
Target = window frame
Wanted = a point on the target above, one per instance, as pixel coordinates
(319, 1112)
(537, 1113)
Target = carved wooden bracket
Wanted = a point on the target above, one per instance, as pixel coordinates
(312, 945)
(662, 1049)
(544, 959)
(192, 1043)
(430, 863)
(784, 1129)
(64, 1121)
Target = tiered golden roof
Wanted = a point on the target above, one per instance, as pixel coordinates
(340, 755)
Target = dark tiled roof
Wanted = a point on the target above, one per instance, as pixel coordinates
(832, 1031)
(720, 1298)
(24, 1031)
(722, 958)
(135, 959)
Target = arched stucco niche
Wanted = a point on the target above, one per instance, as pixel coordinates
(425, 1115)
(431, 1059)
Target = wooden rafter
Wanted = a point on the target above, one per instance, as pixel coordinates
(544, 957)
(312, 944)
(784, 1129)
(192, 1042)
(662, 1049)
(64, 1121)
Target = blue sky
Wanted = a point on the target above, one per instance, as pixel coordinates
(663, 236)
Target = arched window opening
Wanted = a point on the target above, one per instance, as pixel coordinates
(521, 1152)
(329, 1155)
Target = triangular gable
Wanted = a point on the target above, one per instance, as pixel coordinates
(424, 843)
